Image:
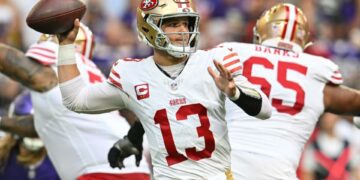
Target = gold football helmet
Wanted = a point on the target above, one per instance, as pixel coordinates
(283, 26)
(84, 41)
(150, 17)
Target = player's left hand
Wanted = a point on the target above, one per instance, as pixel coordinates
(70, 36)
(120, 151)
(224, 81)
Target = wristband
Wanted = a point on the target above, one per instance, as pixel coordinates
(249, 102)
(236, 96)
(66, 55)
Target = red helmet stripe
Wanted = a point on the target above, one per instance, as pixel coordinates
(87, 45)
(286, 21)
(83, 50)
(88, 42)
(92, 44)
(291, 21)
(295, 24)
(183, 4)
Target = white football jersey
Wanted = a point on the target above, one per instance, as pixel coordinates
(77, 144)
(294, 83)
(184, 117)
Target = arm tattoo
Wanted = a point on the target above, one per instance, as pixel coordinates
(20, 125)
(31, 74)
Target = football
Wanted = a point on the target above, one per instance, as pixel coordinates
(55, 16)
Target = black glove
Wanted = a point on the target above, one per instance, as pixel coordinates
(121, 150)
(130, 144)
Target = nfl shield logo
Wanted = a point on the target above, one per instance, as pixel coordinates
(147, 5)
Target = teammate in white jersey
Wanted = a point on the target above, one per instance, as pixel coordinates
(300, 87)
(177, 94)
(77, 144)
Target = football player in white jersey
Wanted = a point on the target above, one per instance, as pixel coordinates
(76, 143)
(300, 87)
(178, 93)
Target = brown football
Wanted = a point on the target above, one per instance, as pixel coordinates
(55, 16)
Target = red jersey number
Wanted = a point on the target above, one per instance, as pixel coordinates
(203, 130)
(283, 69)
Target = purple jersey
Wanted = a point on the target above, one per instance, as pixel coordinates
(22, 104)
(13, 170)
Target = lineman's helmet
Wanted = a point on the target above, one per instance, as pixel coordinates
(84, 41)
(283, 26)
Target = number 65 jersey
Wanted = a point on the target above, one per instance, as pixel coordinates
(294, 83)
(183, 117)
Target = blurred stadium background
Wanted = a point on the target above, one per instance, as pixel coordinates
(335, 27)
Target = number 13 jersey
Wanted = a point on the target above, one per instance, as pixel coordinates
(183, 117)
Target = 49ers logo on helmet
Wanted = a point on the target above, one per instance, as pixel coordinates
(147, 5)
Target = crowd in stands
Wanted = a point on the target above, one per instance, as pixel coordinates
(334, 24)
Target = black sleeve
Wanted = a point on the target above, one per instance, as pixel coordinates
(249, 103)
(136, 133)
